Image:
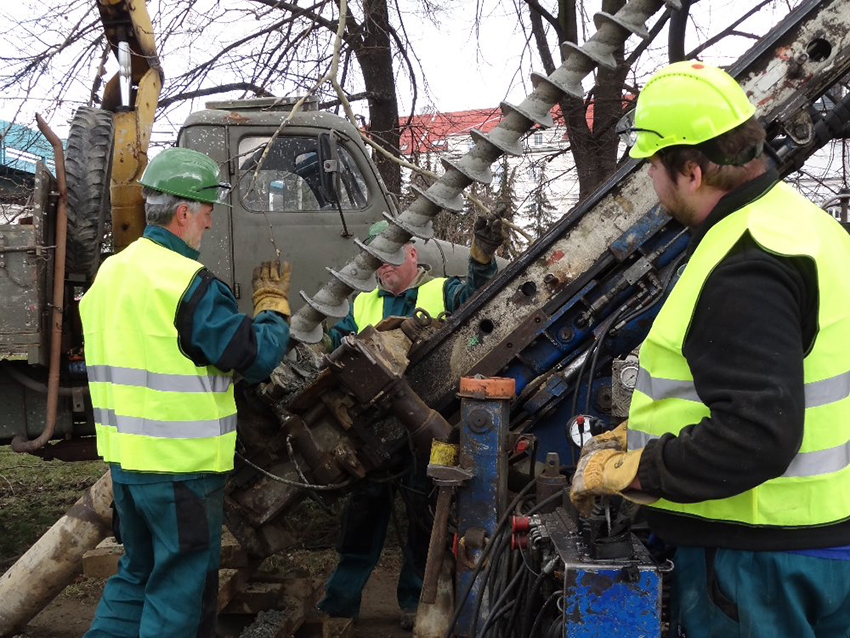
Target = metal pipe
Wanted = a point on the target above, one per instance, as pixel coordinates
(20, 443)
(36, 386)
(55, 559)
(124, 73)
(423, 423)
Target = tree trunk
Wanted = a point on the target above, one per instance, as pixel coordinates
(594, 149)
(375, 58)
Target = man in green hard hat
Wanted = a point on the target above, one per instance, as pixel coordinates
(738, 434)
(163, 339)
(401, 289)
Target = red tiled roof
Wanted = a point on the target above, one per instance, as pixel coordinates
(429, 131)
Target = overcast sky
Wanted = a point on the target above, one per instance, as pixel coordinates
(462, 69)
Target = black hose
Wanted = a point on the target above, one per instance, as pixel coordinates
(606, 327)
(491, 574)
(532, 597)
(539, 618)
(483, 557)
(507, 567)
(509, 607)
(676, 33)
(492, 569)
(521, 598)
(500, 602)
(579, 375)
(554, 629)
(546, 501)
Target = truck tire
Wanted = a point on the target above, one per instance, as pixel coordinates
(88, 165)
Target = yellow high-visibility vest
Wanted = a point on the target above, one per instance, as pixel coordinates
(369, 306)
(154, 410)
(813, 490)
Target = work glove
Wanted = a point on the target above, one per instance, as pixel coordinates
(611, 440)
(488, 235)
(271, 287)
(603, 472)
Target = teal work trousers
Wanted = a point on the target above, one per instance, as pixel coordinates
(167, 581)
(363, 530)
(724, 593)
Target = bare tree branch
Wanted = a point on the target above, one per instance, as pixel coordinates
(539, 11)
(222, 88)
(730, 30)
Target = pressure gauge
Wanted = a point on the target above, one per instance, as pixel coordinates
(628, 376)
(579, 429)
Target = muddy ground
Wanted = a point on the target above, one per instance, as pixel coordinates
(69, 615)
(34, 494)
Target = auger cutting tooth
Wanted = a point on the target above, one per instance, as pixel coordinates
(597, 52)
(453, 205)
(498, 138)
(360, 285)
(638, 28)
(544, 121)
(470, 168)
(393, 258)
(423, 229)
(335, 311)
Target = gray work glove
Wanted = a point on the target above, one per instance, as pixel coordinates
(489, 235)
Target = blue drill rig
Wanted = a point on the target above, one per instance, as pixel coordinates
(502, 393)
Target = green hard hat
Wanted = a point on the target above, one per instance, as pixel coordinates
(185, 173)
(685, 103)
(376, 229)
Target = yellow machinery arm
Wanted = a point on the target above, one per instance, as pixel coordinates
(130, 34)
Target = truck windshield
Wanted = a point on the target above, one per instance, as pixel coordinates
(289, 178)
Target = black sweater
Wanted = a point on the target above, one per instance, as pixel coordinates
(754, 321)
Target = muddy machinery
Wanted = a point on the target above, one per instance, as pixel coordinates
(514, 380)
(537, 361)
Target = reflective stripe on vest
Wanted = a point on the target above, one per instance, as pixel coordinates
(369, 306)
(158, 380)
(812, 490)
(165, 429)
(154, 409)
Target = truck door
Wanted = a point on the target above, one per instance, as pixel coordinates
(288, 198)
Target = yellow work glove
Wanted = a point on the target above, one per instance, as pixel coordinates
(611, 440)
(489, 235)
(604, 472)
(271, 287)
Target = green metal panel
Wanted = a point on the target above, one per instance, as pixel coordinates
(24, 267)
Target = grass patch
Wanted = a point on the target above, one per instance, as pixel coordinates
(34, 494)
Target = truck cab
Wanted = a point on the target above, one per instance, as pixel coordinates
(303, 184)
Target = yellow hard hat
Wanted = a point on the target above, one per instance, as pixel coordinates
(685, 103)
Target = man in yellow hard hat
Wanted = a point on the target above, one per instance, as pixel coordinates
(739, 429)
(163, 338)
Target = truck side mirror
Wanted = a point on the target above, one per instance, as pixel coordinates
(329, 166)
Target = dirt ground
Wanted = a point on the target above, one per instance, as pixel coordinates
(34, 494)
(69, 615)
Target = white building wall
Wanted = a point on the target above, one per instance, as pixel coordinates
(544, 150)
